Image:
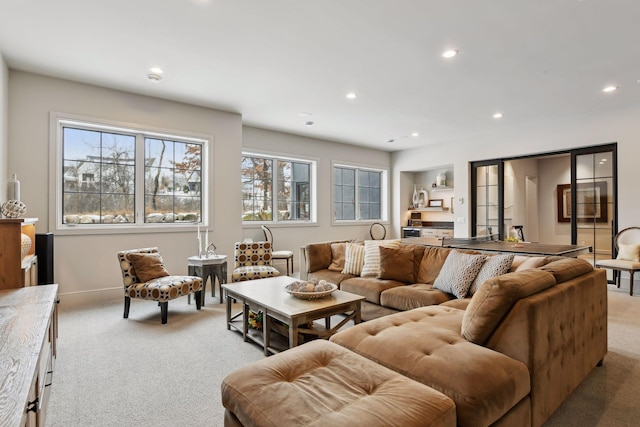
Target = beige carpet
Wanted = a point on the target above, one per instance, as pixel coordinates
(112, 371)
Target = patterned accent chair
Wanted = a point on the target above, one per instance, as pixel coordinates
(252, 261)
(160, 289)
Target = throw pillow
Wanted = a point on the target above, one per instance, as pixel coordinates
(337, 256)
(495, 298)
(431, 263)
(531, 262)
(458, 272)
(354, 259)
(628, 252)
(495, 265)
(147, 266)
(371, 265)
(397, 264)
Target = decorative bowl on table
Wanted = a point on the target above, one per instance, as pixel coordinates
(311, 290)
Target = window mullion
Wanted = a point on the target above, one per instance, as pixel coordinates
(356, 201)
(274, 189)
(139, 179)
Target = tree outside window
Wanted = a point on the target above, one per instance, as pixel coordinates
(172, 180)
(275, 185)
(99, 177)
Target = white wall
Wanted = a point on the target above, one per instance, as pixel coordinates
(85, 266)
(4, 129)
(292, 237)
(88, 262)
(517, 171)
(622, 127)
(553, 171)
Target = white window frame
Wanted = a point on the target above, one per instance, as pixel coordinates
(56, 162)
(384, 196)
(313, 163)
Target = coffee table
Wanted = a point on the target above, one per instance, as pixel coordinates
(269, 296)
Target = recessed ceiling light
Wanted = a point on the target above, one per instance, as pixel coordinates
(156, 70)
(498, 115)
(449, 53)
(352, 95)
(415, 134)
(391, 140)
(154, 78)
(309, 123)
(610, 88)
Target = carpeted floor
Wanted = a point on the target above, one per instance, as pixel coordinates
(112, 371)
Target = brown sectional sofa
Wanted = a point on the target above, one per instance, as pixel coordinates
(384, 296)
(507, 356)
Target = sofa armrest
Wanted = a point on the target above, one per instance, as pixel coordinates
(560, 334)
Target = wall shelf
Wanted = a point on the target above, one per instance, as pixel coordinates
(430, 209)
(439, 189)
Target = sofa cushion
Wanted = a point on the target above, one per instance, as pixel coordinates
(524, 262)
(495, 298)
(458, 272)
(368, 287)
(336, 277)
(318, 256)
(371, 265)
(324, 384)
(354, 259)
(459, 303)
(338, 253)
(147, 266)
(494, 265)
(397, 264)
(432, 261)
(484, 384)
(413, 296)
(565, 269)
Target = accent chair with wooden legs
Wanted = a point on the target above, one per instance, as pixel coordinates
(144, 277)
(627, 252)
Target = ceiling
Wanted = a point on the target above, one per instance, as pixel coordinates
(534, 60)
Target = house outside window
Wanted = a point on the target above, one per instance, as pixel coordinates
(277, 189)
(359, 194)
(112, 176)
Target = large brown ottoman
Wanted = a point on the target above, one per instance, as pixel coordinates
(323, 384)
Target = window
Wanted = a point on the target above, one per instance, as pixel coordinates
(276, 185)
(359, 194)
(112, 176)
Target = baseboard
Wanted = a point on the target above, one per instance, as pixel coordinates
(93, 297)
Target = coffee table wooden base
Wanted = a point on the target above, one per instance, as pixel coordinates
(269, 297)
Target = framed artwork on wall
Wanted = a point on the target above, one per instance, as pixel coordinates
(436, 203)
(591, 202)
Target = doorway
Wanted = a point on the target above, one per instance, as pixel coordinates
(594, 196)
(567, 197)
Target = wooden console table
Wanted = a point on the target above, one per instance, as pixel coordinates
(28, 332)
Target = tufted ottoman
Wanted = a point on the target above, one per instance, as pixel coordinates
(324, 384)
